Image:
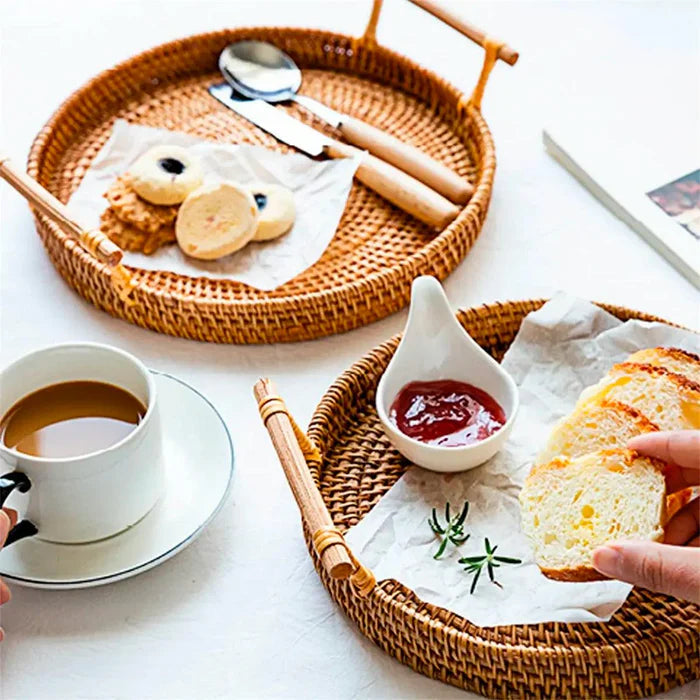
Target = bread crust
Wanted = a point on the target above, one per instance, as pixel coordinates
(679, 379)
(642, 422)
(627, 457)
(575, 574)
(675, 353)
(680, 354)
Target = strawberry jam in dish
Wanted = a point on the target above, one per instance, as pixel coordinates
(446, 413)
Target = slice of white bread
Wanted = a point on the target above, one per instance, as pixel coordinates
(571, 506)
(595, 426)
(672, 359)
(671, 401)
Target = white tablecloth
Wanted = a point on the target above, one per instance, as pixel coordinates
(241, 613)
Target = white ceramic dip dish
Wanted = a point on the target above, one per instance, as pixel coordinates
(436, 347)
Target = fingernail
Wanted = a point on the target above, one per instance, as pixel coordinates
(607, 560)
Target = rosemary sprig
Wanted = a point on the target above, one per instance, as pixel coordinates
(452, 531)
(475, 565)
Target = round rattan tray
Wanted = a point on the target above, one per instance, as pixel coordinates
(367, 269)
(650, 645)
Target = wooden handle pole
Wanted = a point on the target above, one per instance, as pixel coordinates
(505, 53)
(407, 158)
(104, 249)
(313, 510)
(398, 187)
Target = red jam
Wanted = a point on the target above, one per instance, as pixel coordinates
(446, 413)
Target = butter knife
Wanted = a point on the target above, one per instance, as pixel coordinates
(402, 190)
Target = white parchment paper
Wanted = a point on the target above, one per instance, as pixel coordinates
(566, 345)
(320, 192)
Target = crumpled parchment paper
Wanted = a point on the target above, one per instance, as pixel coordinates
(320, 192)
(565, 346)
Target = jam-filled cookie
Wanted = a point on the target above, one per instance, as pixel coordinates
(131, 209)
(215, 220)
(166, 175)
(276, 210)
(128, 237)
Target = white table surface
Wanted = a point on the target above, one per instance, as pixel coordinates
(241, 613)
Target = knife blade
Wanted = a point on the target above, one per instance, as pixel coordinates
(393, 184)
(272, 120)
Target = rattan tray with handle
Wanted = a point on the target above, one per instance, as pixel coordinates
(366, 271)
(344, 465)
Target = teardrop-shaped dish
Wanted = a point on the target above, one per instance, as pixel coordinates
(435, 346)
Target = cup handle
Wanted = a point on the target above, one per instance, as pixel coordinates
(8, 483)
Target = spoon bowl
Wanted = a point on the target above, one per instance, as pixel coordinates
(435, 346)
(260, 71)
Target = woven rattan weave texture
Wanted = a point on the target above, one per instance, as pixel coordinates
(366, 271)
(650, 645)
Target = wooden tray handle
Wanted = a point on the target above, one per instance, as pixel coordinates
(293, 449)
(495, 49)
(95, 242)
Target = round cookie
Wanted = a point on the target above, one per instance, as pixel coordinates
(215, 220)
(165, 175)
(277, 210)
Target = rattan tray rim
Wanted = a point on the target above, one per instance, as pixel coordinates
(482, 187)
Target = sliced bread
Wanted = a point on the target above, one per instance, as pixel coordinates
(595, 426)
(673, 359)
(571, 506)
(671, 401)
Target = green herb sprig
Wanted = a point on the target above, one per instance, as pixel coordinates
(475, 565)
(452, 531)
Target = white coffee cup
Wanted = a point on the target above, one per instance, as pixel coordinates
(91, 496)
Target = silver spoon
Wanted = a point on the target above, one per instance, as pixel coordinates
(261, 71)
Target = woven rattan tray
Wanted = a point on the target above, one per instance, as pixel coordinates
(366, 271)
(650, 645)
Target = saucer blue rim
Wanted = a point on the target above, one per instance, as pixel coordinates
(151, 563)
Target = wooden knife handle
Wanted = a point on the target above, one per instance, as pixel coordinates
(407, 158)
(398, 187)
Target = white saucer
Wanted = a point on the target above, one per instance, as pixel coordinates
(198, 459)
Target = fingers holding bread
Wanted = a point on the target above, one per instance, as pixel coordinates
(680, 447)
(586, 488)
(663, 568)
(571, 506)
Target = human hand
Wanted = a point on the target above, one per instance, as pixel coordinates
(674, 566)
(8, 518)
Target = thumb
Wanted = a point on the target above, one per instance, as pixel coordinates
(658, 567)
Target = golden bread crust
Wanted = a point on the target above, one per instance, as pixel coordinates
(680, 354)
(625, 457)
(575, 574)
(679, 379)
(675, 353)
(641, 421)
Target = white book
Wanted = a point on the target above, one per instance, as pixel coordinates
(654, 190)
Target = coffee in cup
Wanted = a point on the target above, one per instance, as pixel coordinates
(70, 419)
